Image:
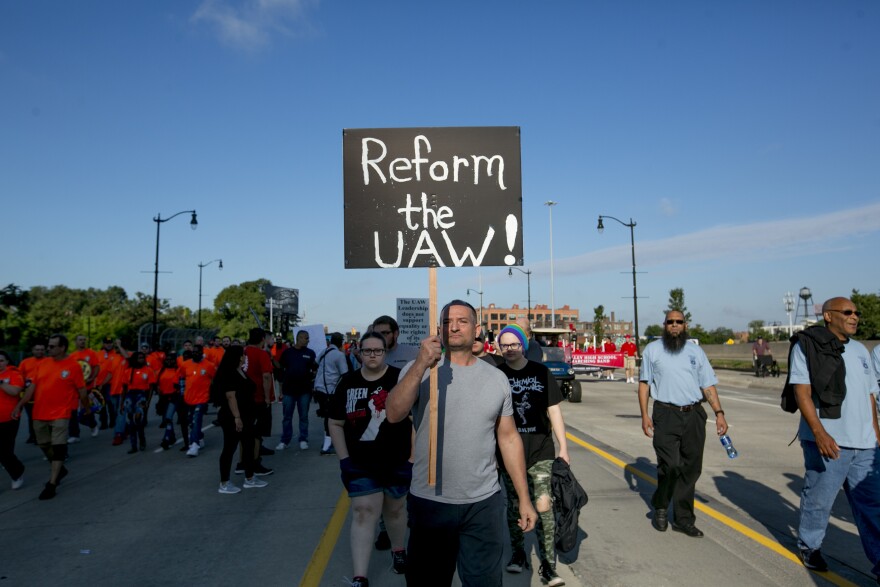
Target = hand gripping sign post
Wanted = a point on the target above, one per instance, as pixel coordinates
(432, 197)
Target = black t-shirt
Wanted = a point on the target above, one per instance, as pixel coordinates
(244, 394)
(533, 389)
(299, 370)
(372, 441)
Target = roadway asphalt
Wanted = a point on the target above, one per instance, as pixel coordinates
(155, 517)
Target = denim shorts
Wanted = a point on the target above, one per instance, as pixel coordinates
(360, 480)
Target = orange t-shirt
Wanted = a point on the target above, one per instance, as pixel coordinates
(108, 364)
(198, 376)
(168, 381)
(29, 367)
(57, 386)
(215, 355)
(155, 360)
(10, 376)
(89, 356)
(139, 378)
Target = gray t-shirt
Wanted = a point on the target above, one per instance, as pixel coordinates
(470, 401)
(400, 355)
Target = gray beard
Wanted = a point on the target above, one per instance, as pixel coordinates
(674, 344)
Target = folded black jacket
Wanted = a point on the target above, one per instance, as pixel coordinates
(824, 354)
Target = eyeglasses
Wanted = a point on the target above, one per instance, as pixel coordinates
(847, 312)
(514, 346)
(671, 322)
(372, 352)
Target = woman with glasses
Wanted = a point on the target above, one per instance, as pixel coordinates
(374, 455)
(11, 384)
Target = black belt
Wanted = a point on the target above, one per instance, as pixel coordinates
(686, 408)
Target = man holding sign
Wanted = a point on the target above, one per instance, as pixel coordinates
(458, 521)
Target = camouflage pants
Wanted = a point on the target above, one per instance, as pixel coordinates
(538, 477)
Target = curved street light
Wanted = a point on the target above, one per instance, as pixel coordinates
(528, 275)
(481, 303)
(202, 266)
(632, 239)
(193, 223)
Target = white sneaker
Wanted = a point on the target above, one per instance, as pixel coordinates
(280, 446)
(73, 440)
(193, 450)
(95, 431)
(228, 488)
(17, 483)
(254, 482)
(303, 445)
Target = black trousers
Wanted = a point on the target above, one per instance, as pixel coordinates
(679, 438)
(10, 462)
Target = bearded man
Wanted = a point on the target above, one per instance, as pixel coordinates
(679, 378)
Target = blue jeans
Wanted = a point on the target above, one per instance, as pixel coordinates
(289, 403)
(196, 412)
(115, 402)
(858, 471)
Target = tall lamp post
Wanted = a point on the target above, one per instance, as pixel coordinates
(528, 275)
(202, 266)
(481, 303)
(193, 223)
(788, 301)
(632, 241)
(550, 204)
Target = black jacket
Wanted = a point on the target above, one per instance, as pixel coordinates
(823, 351)
(568, 499)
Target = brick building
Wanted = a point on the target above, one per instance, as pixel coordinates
(495, 318)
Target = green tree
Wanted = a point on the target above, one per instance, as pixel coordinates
(756, 329)
(233, 306)
(599, 319)
(869, 306)
(676, 303)
(654, 330)
(720, 335)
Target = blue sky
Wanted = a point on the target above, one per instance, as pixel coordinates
(742, 137)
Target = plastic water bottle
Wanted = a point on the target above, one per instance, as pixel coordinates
(728, 446)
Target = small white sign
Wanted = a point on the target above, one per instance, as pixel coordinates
(412, 317)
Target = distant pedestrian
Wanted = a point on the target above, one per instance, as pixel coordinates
(258, 367)
(11, 385)
(233, 392)
(298, 366)
(332, 365)
(28, 368)
(397, 354)
(374, 456)
(630, 354)
(533, 351)
(139, 382)
(678, 375)
(198, 373)
(57, 387)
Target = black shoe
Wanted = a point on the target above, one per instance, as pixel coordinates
(266, 451)
(382, 541)
(660, 521)
(48, 492)
(517, 562)
(813, 560)
(261, 471)
(133, 450)
(329, 451)
(398, 562)
(548, 575)
(689, 530)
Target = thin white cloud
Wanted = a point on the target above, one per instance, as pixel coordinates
(668, 207)
(770, 240)
(250, 25)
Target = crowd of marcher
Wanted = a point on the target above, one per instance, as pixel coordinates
(495, 422)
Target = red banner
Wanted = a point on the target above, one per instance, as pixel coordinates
(604, 360)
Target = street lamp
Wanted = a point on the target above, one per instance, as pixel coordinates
(202, 266)
(788, 300)
(193, 223)
(550, 204)
(481, 303)
(528, 275)
(632, 240)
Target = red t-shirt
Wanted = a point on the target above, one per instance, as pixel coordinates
(10, 376)
(29, 367)
(57, 386)
(628, 348)
(609, 347)
(257, 363)
(168, 380)
(198, 378)
(139, 378)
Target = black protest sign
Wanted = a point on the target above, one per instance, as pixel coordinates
(432, 197)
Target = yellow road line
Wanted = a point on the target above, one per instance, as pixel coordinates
(748, 532)
(318, 563)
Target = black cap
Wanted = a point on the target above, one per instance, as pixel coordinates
(108, 339)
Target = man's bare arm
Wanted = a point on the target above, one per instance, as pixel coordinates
(803, 393)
